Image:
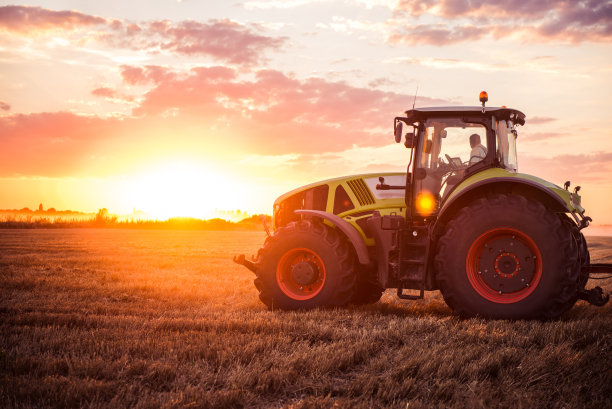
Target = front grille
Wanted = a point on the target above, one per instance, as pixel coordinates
(360, 189)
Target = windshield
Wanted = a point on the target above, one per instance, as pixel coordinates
(452, 141)
(506, 145)
(449, 147)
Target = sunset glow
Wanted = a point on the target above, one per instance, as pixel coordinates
(181, 108)
(181, 189)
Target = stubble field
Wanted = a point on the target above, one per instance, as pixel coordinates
(129, 318)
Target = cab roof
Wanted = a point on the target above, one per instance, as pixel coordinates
(419, 114)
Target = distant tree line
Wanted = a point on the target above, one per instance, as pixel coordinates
(103, 219)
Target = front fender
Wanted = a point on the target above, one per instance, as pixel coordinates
(346, 228)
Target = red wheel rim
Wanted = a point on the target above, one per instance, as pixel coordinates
(300, 274)
(504, 265)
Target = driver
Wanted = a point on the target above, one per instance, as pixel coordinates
(479, 152)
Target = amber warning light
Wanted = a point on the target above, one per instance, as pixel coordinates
(484, 97)
(425, 203)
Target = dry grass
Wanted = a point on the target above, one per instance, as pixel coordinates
(99, 318)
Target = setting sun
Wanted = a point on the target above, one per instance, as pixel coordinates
(180, 189)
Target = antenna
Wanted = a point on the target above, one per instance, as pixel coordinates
(415, 95)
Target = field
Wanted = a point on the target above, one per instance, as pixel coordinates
(134, 318)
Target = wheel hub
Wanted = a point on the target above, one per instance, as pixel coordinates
(303, 273)
(504, 265)
(501, 267)
(300, 274)
(507, 265)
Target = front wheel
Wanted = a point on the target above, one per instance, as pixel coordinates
(305, 265)
(508, 257)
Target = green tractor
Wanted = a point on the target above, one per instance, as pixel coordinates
(496, 243)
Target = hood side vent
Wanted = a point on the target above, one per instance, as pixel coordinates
(360, 189)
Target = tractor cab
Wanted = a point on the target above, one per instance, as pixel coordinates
(449, 144)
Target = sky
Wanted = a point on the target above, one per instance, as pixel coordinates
(178, 108)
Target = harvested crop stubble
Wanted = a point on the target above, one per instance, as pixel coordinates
(122, 318)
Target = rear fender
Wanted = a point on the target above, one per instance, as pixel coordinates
(345, 227)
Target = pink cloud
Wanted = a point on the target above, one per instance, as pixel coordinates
(540, 120)
(277, 114)
(269, 114)
(104, 92)
(438, 34)
(145, 75)
(540, 136)
(532, 20)
(50, 143)
(4, 106)
(274, 98)
(111, 95)
(224, 40)
(27, 20)
(591, 167)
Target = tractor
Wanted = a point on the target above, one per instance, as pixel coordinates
(497, 243)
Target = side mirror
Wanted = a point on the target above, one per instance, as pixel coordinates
(399, 126)
(410, 140)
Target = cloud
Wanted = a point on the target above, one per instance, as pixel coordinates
(4, 106)
(541, 120)
(279, 4)
(538, 64)
(584, 12)
(288, 4)
(438, 34)
(224, 40)
(268, 114)
(104, 92)
(531, 21)
(281, 114)
(31, 20)
(51, 143)
(590, 167)
(111, 95)
(149, 74)
(541, 136)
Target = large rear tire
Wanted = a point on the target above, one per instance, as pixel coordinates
(505, 256)
(305, 265)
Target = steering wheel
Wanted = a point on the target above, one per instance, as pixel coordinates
(450, 162)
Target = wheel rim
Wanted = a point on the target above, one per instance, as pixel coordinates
(300, 274)
(504, 265)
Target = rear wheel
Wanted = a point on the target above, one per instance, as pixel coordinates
(505, 256)
(305, 265)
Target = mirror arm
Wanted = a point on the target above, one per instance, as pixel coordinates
(383, 186)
